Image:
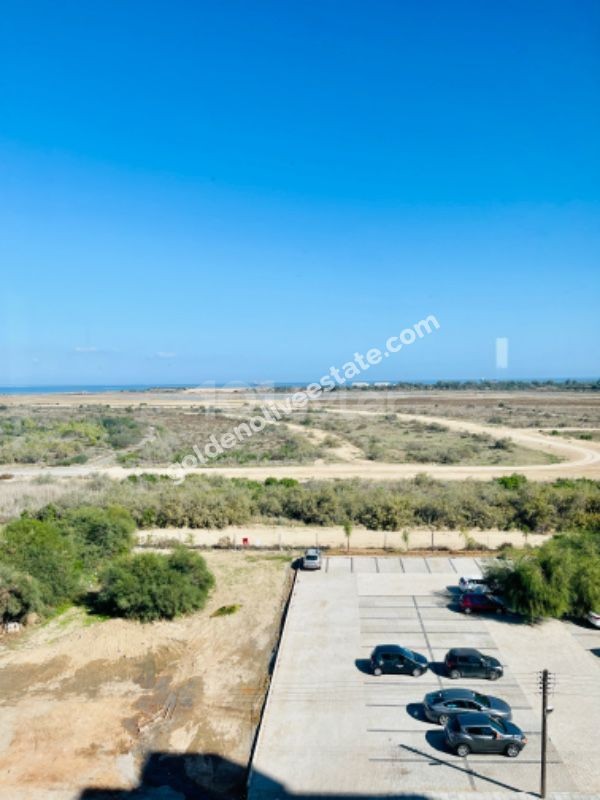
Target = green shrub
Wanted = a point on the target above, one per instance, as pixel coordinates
(562, 577)
(121, 431)
(514, 481)
(101, 533)
(43, 551)
(226, 611)
(19, 594)
(149, 587)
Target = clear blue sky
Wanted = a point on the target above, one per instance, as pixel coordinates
(196, 191)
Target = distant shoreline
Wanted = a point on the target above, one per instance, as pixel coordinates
(557, 384)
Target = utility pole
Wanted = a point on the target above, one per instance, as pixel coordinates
(545, 680)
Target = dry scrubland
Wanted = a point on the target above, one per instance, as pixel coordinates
(389, 438)
(82, 702)
(146, 433)
(514, 409)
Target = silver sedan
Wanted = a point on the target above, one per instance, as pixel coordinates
(447, 703)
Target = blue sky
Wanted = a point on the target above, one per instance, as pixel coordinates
(221, 191)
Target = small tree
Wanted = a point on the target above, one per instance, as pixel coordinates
(347, 533)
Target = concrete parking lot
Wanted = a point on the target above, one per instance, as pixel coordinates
(332, 728)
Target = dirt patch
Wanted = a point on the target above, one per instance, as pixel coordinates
(133, 704)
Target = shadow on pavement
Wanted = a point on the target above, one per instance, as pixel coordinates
(363, 665)
(416, 711)
(433, 739)
(191, 776)
(438, 668)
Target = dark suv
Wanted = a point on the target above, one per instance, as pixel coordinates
(479, 733)
(395, 660)
(464, 662)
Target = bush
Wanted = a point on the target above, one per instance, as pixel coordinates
(149, 587)
(101, 533)
(19, 595)
(43, 551)
(562, 577)
(121, 431)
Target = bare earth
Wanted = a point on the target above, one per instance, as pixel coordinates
(81, 705)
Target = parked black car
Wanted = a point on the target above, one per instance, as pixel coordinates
(395, 660)
(465, 662)
(442, 705)
(480, 733)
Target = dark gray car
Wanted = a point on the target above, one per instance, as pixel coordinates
(465, 662)
(392, 659)
(480, 733)
(442, 705)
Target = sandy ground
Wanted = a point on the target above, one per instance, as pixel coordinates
(82, 705)
(302, 536)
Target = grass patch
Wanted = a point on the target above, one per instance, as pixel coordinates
(226, 611)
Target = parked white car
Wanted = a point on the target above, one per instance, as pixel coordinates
(593, 618)
(312, 559)
(473, 584)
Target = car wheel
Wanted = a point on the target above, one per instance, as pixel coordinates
(443, 719)
(416, 672)
(512, 751)
(494, 676)
(377, 671)
(454, 674)
(463, 750)
(467, 610)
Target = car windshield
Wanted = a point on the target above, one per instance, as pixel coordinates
(482, 700)
(499, 725)
(411, 654)
(311, 557)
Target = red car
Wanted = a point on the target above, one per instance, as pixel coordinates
(470, 601)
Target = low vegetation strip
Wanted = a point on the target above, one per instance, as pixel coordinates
(211, 501)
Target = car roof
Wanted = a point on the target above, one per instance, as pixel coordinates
(391, 648)
(456, 694)
(464, 651)
(473, 718)
(472, 578)
(312, 551)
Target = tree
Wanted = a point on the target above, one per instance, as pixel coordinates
(43, 551)
(148, 586)
(347, 533)
(19, 594)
